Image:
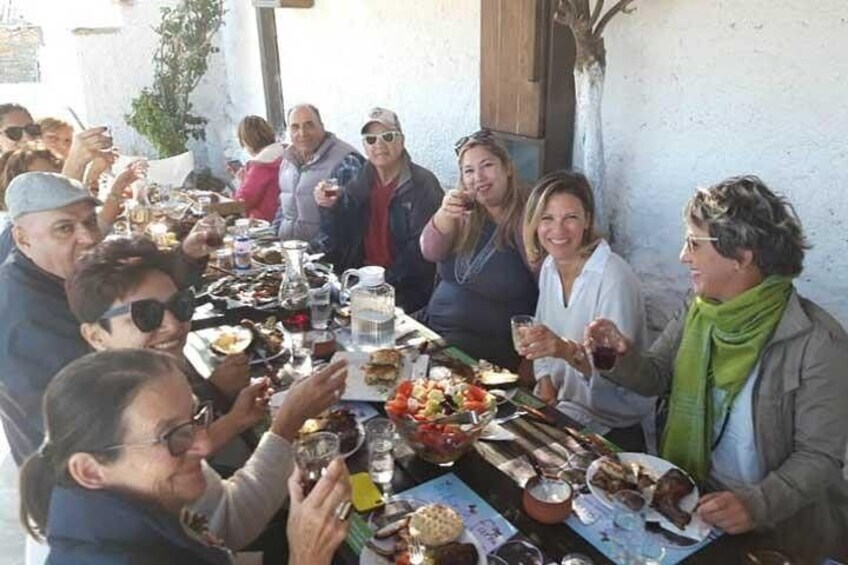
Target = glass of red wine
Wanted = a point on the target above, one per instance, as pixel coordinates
(313, 453)
(214, 227)
(603, 353)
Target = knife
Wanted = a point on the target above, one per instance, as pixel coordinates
(675, 539)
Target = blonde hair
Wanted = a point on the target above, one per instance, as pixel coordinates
(513, 204)
(53, 124)
(559, 182)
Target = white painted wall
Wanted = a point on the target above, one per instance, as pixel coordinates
(420, 59)
(698, 91)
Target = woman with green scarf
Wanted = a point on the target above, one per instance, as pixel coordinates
(754, 373)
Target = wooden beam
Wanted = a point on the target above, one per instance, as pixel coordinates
(269, 55)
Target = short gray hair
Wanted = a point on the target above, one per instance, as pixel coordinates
(742, 213)
(298, 107)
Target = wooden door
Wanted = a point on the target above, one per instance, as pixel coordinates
(512, 66)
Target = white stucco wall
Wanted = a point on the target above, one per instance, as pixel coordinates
(698, 91)
(420, 59)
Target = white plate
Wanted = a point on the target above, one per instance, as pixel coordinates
(356, 389)
(696, 529)
(368, 557)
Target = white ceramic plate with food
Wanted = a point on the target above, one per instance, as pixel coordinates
(370, 557)
(357, 389)
(655, 467)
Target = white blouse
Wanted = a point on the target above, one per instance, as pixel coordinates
(608, 288)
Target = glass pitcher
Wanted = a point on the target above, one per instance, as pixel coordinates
(294, 288)
(372, 308)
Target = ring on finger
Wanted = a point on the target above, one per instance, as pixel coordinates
(342, 511)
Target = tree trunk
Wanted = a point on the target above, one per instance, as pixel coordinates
(588, 157)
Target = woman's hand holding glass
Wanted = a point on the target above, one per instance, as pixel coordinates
(309, 397)
(539, 341)
(207, 234)
(452, 211)
(251, 405)
(316, 527)
(604, 339)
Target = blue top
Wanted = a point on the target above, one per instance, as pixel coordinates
(7, 243)
(472, 311)
(97, 527)
(39, 335)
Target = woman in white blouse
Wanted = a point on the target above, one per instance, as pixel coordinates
(581, 279)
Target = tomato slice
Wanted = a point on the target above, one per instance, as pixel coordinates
(474, 406)
(405, 388)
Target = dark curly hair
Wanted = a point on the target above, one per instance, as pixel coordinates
(110, 271)
(742, 213)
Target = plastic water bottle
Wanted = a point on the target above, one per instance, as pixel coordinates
(242, 247)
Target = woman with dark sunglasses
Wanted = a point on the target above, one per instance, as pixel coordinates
(16, 126)
(475, 239)
(377, 218)
(121, 476)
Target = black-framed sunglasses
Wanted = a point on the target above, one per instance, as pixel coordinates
(387, 136)
(15, 133)
(180, 438)
(481, 135)
(147, 314)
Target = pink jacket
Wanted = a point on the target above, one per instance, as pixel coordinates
(260, 189)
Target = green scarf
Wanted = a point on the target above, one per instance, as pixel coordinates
(720, 346)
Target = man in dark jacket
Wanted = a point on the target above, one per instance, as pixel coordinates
(378, 217)
(54, 221)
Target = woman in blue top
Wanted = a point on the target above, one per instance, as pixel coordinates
(475, 237)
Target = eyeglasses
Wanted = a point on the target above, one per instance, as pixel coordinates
(15, 133)
(180, 438)
(147, 314)
(386, 136)
(483, 134)
(691, 240)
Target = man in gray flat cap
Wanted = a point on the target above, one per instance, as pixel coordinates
(54, 221)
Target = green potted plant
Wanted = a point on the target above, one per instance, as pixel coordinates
(162, 112)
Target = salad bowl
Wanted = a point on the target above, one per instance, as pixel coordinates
(419, 410)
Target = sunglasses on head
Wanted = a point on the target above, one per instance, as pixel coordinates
(15, 133)
(387, 136)
(147, 314)
(180, 438)
(483, 134)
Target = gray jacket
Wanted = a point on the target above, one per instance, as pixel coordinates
(299, 217)
(800, 422)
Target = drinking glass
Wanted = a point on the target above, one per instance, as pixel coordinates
(629, 522)
(319, 306)
(215, 228)
(519, 323)
(313, 454)
(380, 442)
(603, 353)
(331, 187)
(224, 259)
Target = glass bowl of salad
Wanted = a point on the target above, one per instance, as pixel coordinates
(416, 406)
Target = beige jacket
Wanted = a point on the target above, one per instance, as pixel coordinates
(800, 421)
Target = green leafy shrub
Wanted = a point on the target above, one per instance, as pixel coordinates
(162, 112)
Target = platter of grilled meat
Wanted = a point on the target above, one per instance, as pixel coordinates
(671, 494)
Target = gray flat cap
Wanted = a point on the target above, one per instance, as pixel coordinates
(40, 192)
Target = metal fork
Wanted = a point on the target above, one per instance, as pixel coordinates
(416, 551)
(514, 416)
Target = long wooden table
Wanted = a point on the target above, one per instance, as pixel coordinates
(499, 490)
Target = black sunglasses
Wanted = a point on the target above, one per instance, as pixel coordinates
(147, 314)
(15, 133)
(387, 136)
(180, 438)
(483, 134)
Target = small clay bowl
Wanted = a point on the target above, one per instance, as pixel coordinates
(547, 500)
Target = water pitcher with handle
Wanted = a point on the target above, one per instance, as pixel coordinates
(372, 307)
